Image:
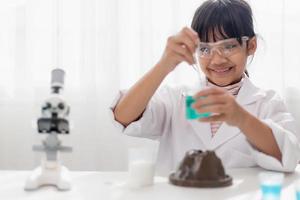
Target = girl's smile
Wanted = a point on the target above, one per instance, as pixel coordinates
(221, 71)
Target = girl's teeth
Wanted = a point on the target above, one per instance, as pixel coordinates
(223, 70)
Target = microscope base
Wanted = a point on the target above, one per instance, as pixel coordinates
(49, 173)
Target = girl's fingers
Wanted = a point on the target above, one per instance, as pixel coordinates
(183, 51)
(209, 91)
(188, 55)
(210, 100)
(179, 58)
(192, 34)
(213, 118)
(211, 108)
(184, 39)
(184, 43)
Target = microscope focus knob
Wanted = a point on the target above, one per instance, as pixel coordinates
(61, 106)
(46, 106)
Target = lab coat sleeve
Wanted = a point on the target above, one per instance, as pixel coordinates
(274, 113)
(154, 120)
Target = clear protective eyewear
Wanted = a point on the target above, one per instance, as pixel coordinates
(226, 48)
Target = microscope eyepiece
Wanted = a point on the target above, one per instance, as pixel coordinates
(57, 80)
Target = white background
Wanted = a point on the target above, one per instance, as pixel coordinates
(106, 45)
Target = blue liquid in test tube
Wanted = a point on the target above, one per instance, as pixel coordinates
(191, 113)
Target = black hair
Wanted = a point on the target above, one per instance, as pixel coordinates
(225, 18)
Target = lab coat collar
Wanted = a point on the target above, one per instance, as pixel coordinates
(248, 94)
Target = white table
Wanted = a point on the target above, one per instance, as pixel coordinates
(107, 185)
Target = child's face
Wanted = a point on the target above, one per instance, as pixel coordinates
(224, 69)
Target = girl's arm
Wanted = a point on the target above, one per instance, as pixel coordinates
(257, 132)
(134, 102)
(179, 48)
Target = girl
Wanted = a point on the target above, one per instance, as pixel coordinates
(251, 127)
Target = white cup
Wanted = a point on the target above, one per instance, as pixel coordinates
(141, 166)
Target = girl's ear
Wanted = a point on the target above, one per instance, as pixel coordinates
(252, 45)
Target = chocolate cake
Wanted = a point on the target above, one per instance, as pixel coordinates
(200, 169)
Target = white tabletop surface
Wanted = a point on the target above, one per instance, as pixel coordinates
(109, 185)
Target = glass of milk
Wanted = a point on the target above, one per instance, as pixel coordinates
(141, 166)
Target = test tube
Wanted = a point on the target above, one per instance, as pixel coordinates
(196, 67)
(191, 113)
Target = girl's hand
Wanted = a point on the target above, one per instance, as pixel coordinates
(180, 47)
(222, 104)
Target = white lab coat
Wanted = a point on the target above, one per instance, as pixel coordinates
(164, 119)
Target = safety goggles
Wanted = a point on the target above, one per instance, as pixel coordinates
(225, 48)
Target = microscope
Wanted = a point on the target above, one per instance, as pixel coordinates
(53, 122)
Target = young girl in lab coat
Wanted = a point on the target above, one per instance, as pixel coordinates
(250, 127)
